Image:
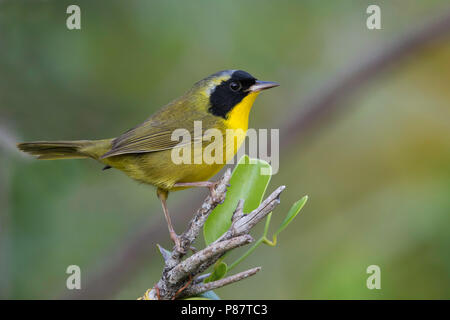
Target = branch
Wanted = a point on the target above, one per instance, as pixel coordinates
(243, 223)
(203, 287)
(182, 278)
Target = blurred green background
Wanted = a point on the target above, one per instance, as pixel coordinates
(378, 175)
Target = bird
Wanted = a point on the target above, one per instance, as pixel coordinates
(221, 101)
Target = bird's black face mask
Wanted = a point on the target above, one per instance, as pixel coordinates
(229, 93)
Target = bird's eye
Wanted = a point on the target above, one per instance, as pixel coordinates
(235, 86)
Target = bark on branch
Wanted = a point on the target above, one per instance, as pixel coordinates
(182, 277)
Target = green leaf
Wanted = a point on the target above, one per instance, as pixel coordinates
(220, 270)
(295, 209)
(247, 183)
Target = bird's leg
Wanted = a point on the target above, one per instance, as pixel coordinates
(162, 195)
(206, 184)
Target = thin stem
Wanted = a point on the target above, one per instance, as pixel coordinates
(272, 243)
(263, 239)
(246, 254)
(266, 227)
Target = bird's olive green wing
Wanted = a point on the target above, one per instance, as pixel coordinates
(155, 134)
(145, 138)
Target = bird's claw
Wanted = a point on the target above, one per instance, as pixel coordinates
(214, 194)
(176, 239)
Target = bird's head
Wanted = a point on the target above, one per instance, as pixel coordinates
(227, 89)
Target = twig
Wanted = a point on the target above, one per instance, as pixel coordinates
(181, 278)
(201, 288)
(209, 254)
(242, 223)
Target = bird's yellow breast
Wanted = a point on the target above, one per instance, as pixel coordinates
(237, 121)
(238, 116)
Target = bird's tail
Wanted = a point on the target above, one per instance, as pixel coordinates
(52, 150)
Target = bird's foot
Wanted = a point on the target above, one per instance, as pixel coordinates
(176, 240)
(212, 190)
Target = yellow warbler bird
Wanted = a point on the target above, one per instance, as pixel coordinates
(221, 101)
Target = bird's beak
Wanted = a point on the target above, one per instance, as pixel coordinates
(262, 85)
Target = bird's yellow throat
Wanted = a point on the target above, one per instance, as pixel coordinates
(238, 117)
